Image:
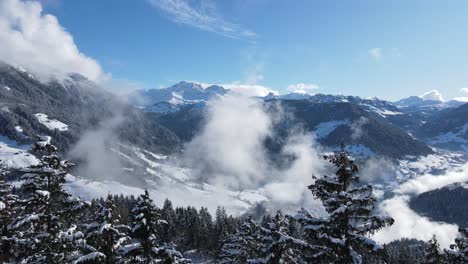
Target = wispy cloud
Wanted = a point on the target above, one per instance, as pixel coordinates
(302, 87)
(202, 14)
(464, 90)
(245, 89)
(375, 53)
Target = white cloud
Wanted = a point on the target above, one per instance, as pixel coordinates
(230, 151)
(375, 53)
(302, 87)
(250, 89)
(408, 223)
(37, 42)
(432, 95)
(357, 127)
(430, 182)
(411, 225)
(201, 14)
(461, 99)
(245, 89)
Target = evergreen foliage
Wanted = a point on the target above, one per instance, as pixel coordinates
(349, 207)
(42, 223)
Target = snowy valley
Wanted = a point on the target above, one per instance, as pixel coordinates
(198, 157)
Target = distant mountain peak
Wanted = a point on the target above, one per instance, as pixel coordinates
(175, 97)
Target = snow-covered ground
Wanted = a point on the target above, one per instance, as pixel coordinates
(51, 124)
(323, 129)
(452, 138)
(13, 155)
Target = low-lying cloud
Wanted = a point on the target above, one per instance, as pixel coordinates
(230, 152)
(94, 151)
(411, 225)
(430, 182)
(407, 222)
(357, 127)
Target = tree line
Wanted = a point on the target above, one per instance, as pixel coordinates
(41, 222)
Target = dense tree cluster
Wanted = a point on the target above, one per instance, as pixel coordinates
(43, 223)
(40, 222)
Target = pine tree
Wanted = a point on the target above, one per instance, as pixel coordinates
(433, 252)
(7, 214)
(168, 214)
(47, 209)
(281, 247)
(270, 243)
(105, 236)
(459, 250)
(206, 225)
(241, 246)
(146, 224)
(349, 209)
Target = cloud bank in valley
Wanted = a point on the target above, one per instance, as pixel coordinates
(230, 151)
(408, 223)
(430, 182)
(411, 225)
(36, 41)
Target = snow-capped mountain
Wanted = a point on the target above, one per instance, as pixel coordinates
(174, 98)
(423, 107)
(68, 108)
(331, 118)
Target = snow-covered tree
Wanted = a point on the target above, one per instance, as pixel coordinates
(146, 246)
(46, 208)
(459, 250)
(168, 214)
(243, 245)
(281, 247)
(7, 214)
(105, 236)
(433, 253)
(269, 243)
(350, 213)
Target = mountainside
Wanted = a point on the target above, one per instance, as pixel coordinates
(67, 108)
(448, 128)
(357, 125)
(447, 204)
(333, 118)
(175, 97)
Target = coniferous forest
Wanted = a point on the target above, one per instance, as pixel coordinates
(43, 223)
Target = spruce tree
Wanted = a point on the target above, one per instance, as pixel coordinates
(269, 243)
(241, 246)
(106, 235)
(281, 247)
(47, 208)
(433, 253)
(349, 206)
(459, 250)
(7, 215)
(168, 214)
(147, 246)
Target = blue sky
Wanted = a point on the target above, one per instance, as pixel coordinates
(390, 49)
